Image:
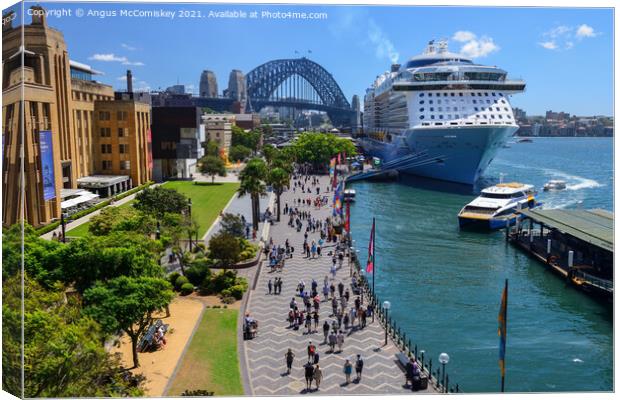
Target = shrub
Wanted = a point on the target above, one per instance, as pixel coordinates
(235, 291)
(186, 289)
(172, 278)
(181, 280)
(198, 270)
(228, 300)
(215, 284)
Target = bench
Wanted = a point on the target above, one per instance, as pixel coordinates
(148, 339)
(419, 384)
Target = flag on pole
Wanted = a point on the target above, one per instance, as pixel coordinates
(502, 319)
(370, 264)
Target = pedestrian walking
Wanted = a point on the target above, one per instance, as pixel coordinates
(345, 321)
(347, 295)
(333, 339)
(332, 290)
(325, 291)
(316, 357)
(348, 369)
(269, 286)
(315, 317)
(363, 318)
(289, 357)
(334, 306)
(333, 271)
(309, 322)
(340, 341)
(340, 289)
(309, 372)
(359, 366)
(311, 351)
(318, 376)
(325, 330)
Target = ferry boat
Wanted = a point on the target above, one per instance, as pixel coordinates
(497, 205)
(349, 195)
(439, 115)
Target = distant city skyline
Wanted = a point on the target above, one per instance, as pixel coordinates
(565, 55)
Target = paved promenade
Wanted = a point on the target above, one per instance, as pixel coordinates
(264, 355)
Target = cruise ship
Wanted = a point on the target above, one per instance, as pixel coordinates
(439, 115)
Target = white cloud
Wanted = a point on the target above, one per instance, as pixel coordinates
(383, 45)
(122, 78)
(463, 36)
(562, 37)
(584, 31)
(111, 57)
(127, 47)
(476, 47)
(550, 45)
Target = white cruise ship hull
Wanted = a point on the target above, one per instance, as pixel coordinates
(460, 154)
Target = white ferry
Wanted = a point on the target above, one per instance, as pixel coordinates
(497, 205)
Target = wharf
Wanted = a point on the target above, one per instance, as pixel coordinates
(263, 357)
(576, 244)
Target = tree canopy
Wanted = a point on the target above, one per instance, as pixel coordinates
(318, 148)
(212, 165)
(225, 248)
(249, 139)
(159, 201)
(128, 304)
(239, 152)
(63, 352)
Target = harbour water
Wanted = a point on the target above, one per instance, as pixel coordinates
(445, 284)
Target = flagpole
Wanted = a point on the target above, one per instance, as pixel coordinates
(374, 250)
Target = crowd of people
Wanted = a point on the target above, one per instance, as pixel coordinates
(348, 312)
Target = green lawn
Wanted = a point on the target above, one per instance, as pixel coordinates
(211, 363)
(207, 200)
(82, 230)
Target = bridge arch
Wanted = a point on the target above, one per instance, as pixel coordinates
(263, 81)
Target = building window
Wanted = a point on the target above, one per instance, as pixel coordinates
(455, 108)
(125, 165)
(421, 94)
(106, 165)
(430, 102)
(421, 116)
(421, 101)
(460, 94)
(475, 108)
(432, 108)
(439, 108)
(104, 115)
(106, 149)
(422, 109)
(105, 132)
(432, 117)
(122, 132)
(438, 101)
(440, 116)
(452, 94)
(122, 148)
(121, 115)
(493, 94)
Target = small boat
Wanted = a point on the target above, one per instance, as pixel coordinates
(505, 146)
(554, 185)
(349, 195)
(525, 140)
(497, 206)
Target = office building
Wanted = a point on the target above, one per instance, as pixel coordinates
(177, 137)
(61, 141)
(218, 128)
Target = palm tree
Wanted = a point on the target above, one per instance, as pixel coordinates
(279, 179)
(252, 182)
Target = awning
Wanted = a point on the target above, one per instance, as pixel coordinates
(84, 197)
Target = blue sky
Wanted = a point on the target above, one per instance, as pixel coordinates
(565, 55)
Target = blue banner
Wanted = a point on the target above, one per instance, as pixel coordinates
(46, 152)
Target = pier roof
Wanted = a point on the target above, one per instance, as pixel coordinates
(592, 226)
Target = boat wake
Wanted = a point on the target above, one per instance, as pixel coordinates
(574, 182)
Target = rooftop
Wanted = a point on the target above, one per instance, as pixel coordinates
(592, 226)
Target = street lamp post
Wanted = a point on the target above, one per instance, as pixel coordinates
(444, 358)
(63, 224)
(351, 250)
(386, 307)
(189, 213)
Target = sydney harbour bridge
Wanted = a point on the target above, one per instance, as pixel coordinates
(298, 83)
